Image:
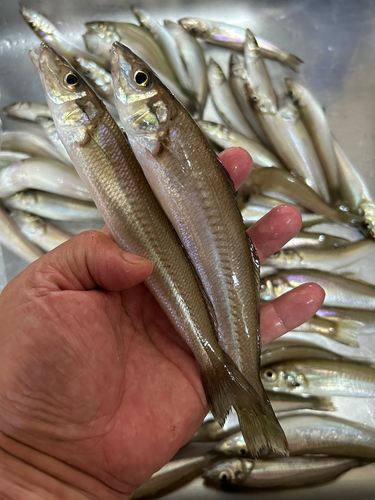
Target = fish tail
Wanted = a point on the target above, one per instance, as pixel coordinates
(324, 404)
(259, 425)
(293, 62)
(346, 333)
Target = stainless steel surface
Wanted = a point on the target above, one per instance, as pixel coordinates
(335, 39)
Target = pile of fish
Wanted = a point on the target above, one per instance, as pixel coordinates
(139, 70)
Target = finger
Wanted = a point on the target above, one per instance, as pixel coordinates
(290, 310)
(238, 163)
(85, 262)
(275, 229)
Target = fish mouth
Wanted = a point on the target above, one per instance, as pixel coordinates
(121, 54)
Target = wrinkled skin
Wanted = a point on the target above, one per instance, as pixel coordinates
(92, 372)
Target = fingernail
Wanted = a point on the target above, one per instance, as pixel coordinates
(134, 259)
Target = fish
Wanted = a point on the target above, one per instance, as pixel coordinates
(252, 213)
(30, 144)
(227, 138)
(211, 431)
(173, 475)
(363, 321)
(27, 110)
(354, 190)
(283, 350)
(42, 233)
(320, 377)
(187, 178)
(325, 260)
(43, 174)
(9, 157)
(316, 240)
(100, 35)
(261, 200)
(50, 130)
(233, 37)
(344, 333)
(52, 206)
(12, 239)
(193, 58)
(99, 78)
(103, 157)
(277, 473)
(308, 433)
(339, 290)
(273, 181)
(237, 81)
(225, 102)
(48, 33)
(315, 121)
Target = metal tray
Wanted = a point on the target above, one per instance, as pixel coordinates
(335, 39)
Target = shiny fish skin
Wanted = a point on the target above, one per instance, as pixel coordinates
(325, 260)
(27, 110)
(225, 103)
(194, 60)
(316, 240)
(316, 123)
(261, 200)
(237, 80)
(121, 192)
(96, 75)
(12, 239)
(50, 130)
(30, 144)
(339, 291)
(363, 321)
(320, 377)
(227, 138)
(48, 33)
(39, 231)
(43, 174)
(343, 333)
(9, 157)
(52, 206)
(282, 350)
(233, 38)
(282, 472)
(173, 152)
(252, 213)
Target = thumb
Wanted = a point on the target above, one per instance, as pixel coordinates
(86, 261)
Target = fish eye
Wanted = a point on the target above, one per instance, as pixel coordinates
(276, 255)
(142, 78)
(71, 80)
(194, 30)
(254, 98)
(242, 451)
(270, 375)
(224, 477)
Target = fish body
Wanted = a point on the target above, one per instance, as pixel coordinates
(320, 377)
(39, 231)
(252, 213)
(233, 37)
(339, 291)
(227, 138)
(103, 157)
(284, 351)
(100, 78)
(315, 240)
(316, 124)
(12, 239)
(43, 174)
(27, 110)
(192, 187)
(344, 333)
(282, 472)
(225, 102)
(261, 200)
(9, 157)
(363, 321)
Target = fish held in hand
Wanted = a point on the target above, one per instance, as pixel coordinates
(192, 187)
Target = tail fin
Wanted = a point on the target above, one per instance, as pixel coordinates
(324, 404)
(345, 332)
(293, 62)
(227, 387)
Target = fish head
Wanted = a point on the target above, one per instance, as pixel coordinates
(273, 286)
(199, 28)
(43, 28)
(235, 446)
(23, 198)
(237, 67)
(295, 91)
(144, 104)
(28, 222)
(257, 99)
(215, 73)
(227, 472)
(285, 259)
(283, 377)
(73, 104)
(368, 209)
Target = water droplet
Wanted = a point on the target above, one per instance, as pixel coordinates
(8, 43)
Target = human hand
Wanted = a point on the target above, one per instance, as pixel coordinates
(92, 373)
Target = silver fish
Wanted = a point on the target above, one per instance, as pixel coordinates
(39, 231)
(342, 333)
(27, 110)
(100, 78)
(282, 472)
(283, 350)
(43, 174)
(9, 157)
(316, 240)
(316, 123)
(50, 130)
(340, 291)
(237, 81)
(325, 260)
(52, 206)
(184, 174)
(30, 144)
(48, 33)
(12, 239)
(320, 377)
(102, 155)
(252, 213)
(363, 321)
(225, 103)
(227, 138)
(233, 38)
(193, 57)
(261, 200)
